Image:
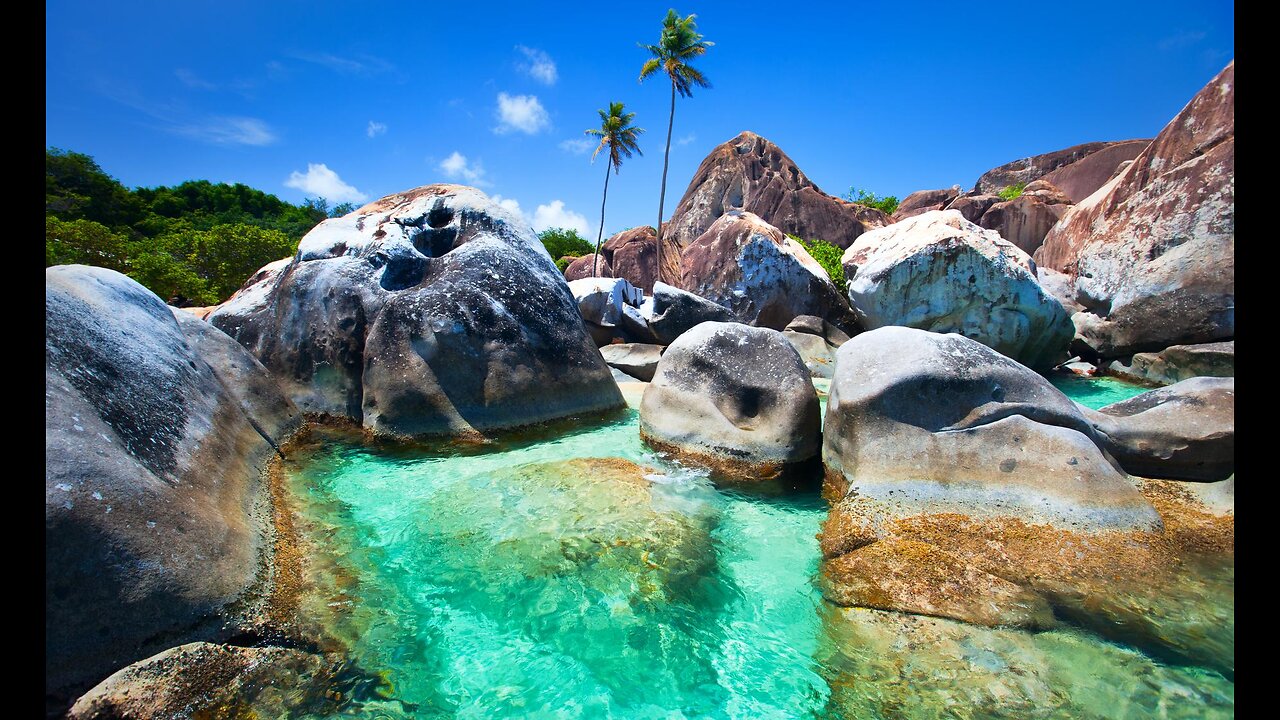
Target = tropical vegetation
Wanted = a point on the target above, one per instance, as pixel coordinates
(621, 137)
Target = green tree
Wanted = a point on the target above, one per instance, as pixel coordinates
(886, 205)
(828, 256)
(561, 242)
(76, 188)
(678, 45)
(84, 242)
(616, 132)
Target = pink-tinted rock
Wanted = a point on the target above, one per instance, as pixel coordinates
(922, 201)
(1083, 177)
(582, 268)
(631, 254)
(972, 207)
(1037, 166)
(1023, 221)
(1153, 251)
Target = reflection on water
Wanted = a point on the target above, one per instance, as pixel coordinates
(579, 575)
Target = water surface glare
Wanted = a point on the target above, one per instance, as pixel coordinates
(538, 578)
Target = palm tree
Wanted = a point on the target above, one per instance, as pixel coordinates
(619, 134)
(679, 44)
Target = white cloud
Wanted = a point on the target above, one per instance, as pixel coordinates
(540, 66)
(375, 129)
(555, 215)
(230, 131)
(521, 112)
(579, 146)
(546, 216)
(457, 167)
(687, 139)
(190, 79)
(320, 181)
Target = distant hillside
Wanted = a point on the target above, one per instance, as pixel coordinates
(193, 244)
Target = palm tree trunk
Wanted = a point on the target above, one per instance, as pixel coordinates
(666, 156)
(595, 262)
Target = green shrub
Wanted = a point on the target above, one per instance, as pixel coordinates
(828, 256)
(560, 242)
(885, 205)
(563, 262)
(1012, 191)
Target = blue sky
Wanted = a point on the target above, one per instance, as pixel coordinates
(358, 100)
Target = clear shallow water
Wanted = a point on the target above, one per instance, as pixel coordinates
(533, 580)
(1095, 392)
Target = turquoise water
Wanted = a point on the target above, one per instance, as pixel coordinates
(1095, 392)
(532, 579)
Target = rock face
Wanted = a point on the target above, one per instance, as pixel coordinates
(583, 268)
(1033, 168)
(764, 278)
(429, 312)
(972, 207)
(1180, 362)
(157, 429)
(818, 354)
(1186, 431)
(1082, 178)
(1024, 220)
(922, 201)
(736, 398)
(639, 360)
(940, 272)
(206, 680)
(672, 312)
(750, 173)
(1153, 251)
(631, 255)
(959, 482)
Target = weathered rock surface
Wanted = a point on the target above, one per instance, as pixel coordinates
(818, 354)
(736, 398)
(965, 486)
(202, 679)
(764, 277)
(671, 312)
(1153, 251)
(639, 360)
(940, 272)
(585, 266)
(1035, 167)
(1060, 286)
(814, 325)
(1180, 362)
(922, 201)
(972, 207)
(1024, 220)
(1186, 431)
(631, 255)
(429, 312)
(157, 429)
(750, 173)
(1082, 178)
(601, 300)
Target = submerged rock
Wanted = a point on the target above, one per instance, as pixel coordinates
(429, 312)
(157, 430)
(940, 272)
(737, 399)
(1153, 251)
(205, 680)
(764, 277)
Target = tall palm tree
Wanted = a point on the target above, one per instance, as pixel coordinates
(679, 44)
(617, 132)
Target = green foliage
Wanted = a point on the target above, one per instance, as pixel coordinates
(1012, 191)
(192, 243)
(563, 263)
(677, 46)
(560, 242)
(828, 256)
(885, 204)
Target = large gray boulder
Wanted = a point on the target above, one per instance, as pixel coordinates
(639, 360)
(737, 399)
(1186, 431)
(928, 435)
(157, 430)
(1152, 252)
(942, 273)
(429, 312)
(763, 276)
(671, 312)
